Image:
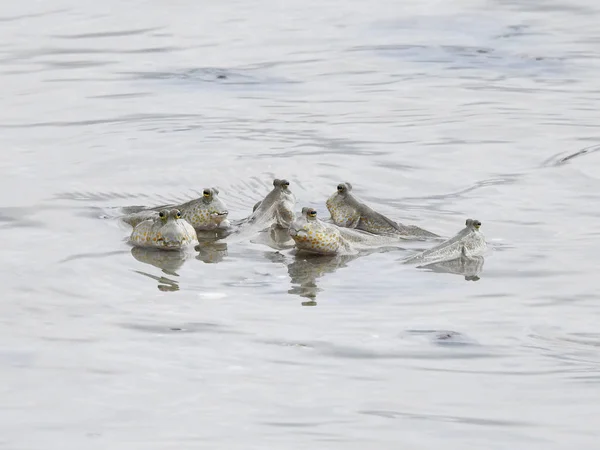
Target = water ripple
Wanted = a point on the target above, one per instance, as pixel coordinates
(565, 157)
(442, 418)
(140, 117)
(108, 34)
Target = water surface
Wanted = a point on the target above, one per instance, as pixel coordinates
(434, 111)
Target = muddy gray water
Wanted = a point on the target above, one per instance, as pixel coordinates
(434, 111)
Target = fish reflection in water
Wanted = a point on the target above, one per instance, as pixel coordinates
(469, 267)
(305, 269)
(211, 251)
(168, 261)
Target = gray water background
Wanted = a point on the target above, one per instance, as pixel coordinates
(434, 111)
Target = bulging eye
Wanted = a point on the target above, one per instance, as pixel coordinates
(312, 213)
(285, 183)
(206, 193)
(178, 215)
(161, 215)
(340, 187)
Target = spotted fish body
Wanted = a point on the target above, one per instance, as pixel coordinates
(312, 235)
(342, 213)
(205, 213)
(349, 212)
(277, 208)
(468, 242)
(167, 231)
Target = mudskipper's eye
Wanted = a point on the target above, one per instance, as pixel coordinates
(285, 183)
(178, 215)
(206, 193)
(340, 187)
(312, 213)
(162, 215)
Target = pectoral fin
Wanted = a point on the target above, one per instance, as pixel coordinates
(352, 221)
(465, 253)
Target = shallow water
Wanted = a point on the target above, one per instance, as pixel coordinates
(434, 111)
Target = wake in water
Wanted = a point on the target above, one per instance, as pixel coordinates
(562, 158)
